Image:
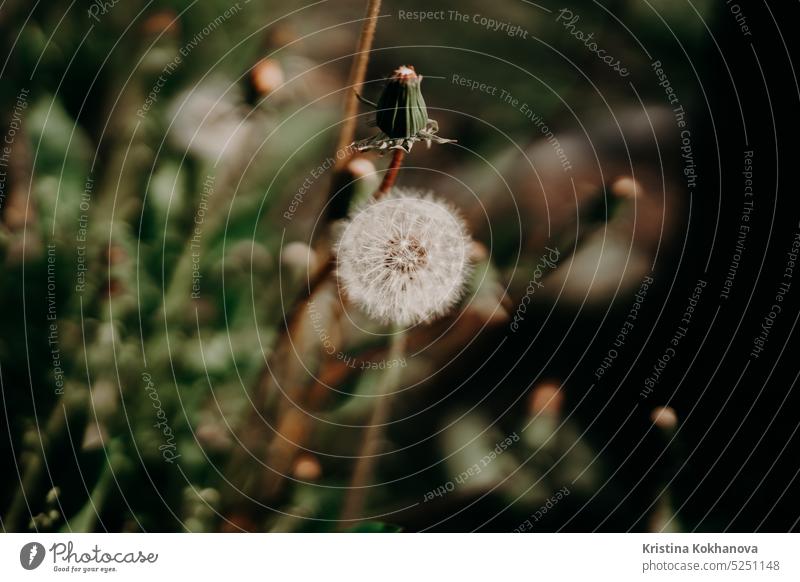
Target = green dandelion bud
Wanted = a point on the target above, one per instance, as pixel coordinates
(401, 109)
(401, 115)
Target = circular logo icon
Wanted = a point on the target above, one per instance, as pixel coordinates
(31, 555)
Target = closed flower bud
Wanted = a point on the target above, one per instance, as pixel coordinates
(361, 168)
(404, 258)
(401, 115)
(266, 76)
(626, 187)
(307, 468)
(664, 417)
(401, 109)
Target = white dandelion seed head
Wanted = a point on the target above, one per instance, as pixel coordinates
(404, 258)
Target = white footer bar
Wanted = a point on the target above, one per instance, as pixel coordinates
(401, 557)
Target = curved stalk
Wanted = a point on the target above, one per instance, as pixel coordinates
(365, 465)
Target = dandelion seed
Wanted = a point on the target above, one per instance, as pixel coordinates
(404, 258)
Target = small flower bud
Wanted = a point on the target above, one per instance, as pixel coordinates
(163, 21)
(266, 76)
(626, 187)
(307, 468)
(401, 109)
(361, 167)
(664, 417)
(401, 115)
(547, 398)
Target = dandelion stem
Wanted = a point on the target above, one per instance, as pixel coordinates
(358, 72)
(365, 465)
(327, 269)
(340, 188)
(314, 282)
(391, 173)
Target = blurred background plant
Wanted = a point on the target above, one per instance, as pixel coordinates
(171, 358)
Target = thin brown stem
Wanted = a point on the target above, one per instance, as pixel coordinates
(316, 280)
(391, 173)
(327, 269)
(365, 465)
(358, 72)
